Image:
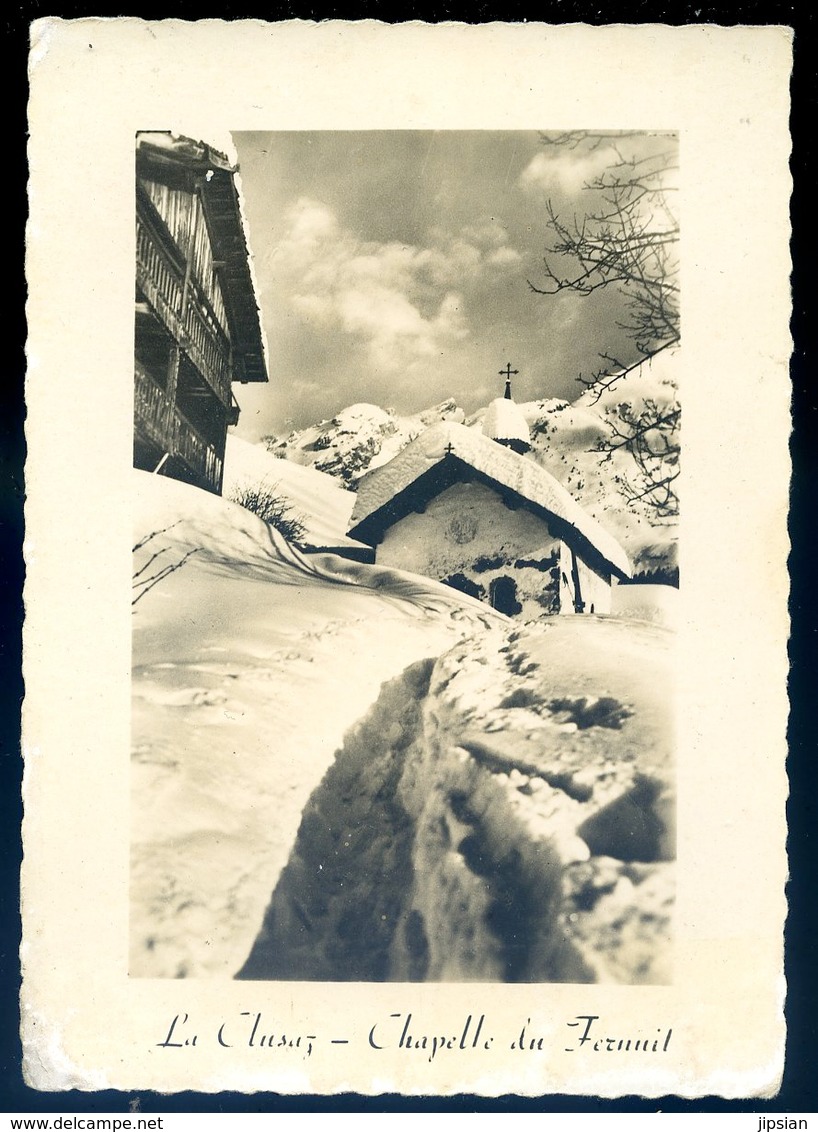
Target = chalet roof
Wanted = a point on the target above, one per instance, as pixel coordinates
(504, 420)
(183, 163)
(448, 453)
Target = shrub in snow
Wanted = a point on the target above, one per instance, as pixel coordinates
(263, 500)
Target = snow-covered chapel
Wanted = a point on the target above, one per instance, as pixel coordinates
(469, 508)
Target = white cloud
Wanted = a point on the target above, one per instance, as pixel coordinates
(400, 303)
(311, 222)
(504, 257)
(565, 169)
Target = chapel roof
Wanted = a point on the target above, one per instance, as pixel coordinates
(448, 453)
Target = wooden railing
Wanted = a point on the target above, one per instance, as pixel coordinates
(163, 285)
(174, 434)
(158, 277)
(209, 351)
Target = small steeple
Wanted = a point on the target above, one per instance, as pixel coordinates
(504, 421)
(507, 372)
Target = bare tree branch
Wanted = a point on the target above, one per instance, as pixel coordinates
(146, 584)
(152, 559)
(627, 239)
(152, 535)
(156, 578)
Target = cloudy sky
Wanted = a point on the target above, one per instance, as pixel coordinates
(392, 267)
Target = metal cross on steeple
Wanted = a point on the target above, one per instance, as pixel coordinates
(506, 373)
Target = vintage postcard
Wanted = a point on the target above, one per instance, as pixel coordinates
(406, 613)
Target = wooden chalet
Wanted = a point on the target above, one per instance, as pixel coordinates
(197, 326)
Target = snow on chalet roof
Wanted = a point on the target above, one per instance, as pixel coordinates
(377, 505)
(504, 420)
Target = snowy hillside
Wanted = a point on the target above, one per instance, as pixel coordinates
(318, 501)
(564, 435)
(249, 663)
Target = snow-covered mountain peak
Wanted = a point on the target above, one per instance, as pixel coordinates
(564, 440)
(447, 410)
(359, 437)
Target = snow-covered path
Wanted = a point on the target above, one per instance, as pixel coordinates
(249, 664)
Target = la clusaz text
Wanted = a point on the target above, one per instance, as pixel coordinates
(399, 1031)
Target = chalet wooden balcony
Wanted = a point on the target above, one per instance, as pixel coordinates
(197, 332)
(174, 435)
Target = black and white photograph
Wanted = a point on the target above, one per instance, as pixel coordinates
(404, 609)
(406, 551)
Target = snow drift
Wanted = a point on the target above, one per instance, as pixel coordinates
(503, 814)
(250, 661)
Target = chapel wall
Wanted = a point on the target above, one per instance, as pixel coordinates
(595, 588)
(467, 530)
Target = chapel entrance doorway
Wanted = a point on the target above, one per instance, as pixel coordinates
(503, 596)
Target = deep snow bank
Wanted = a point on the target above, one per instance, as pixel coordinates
(505, 813)
(249, 663)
